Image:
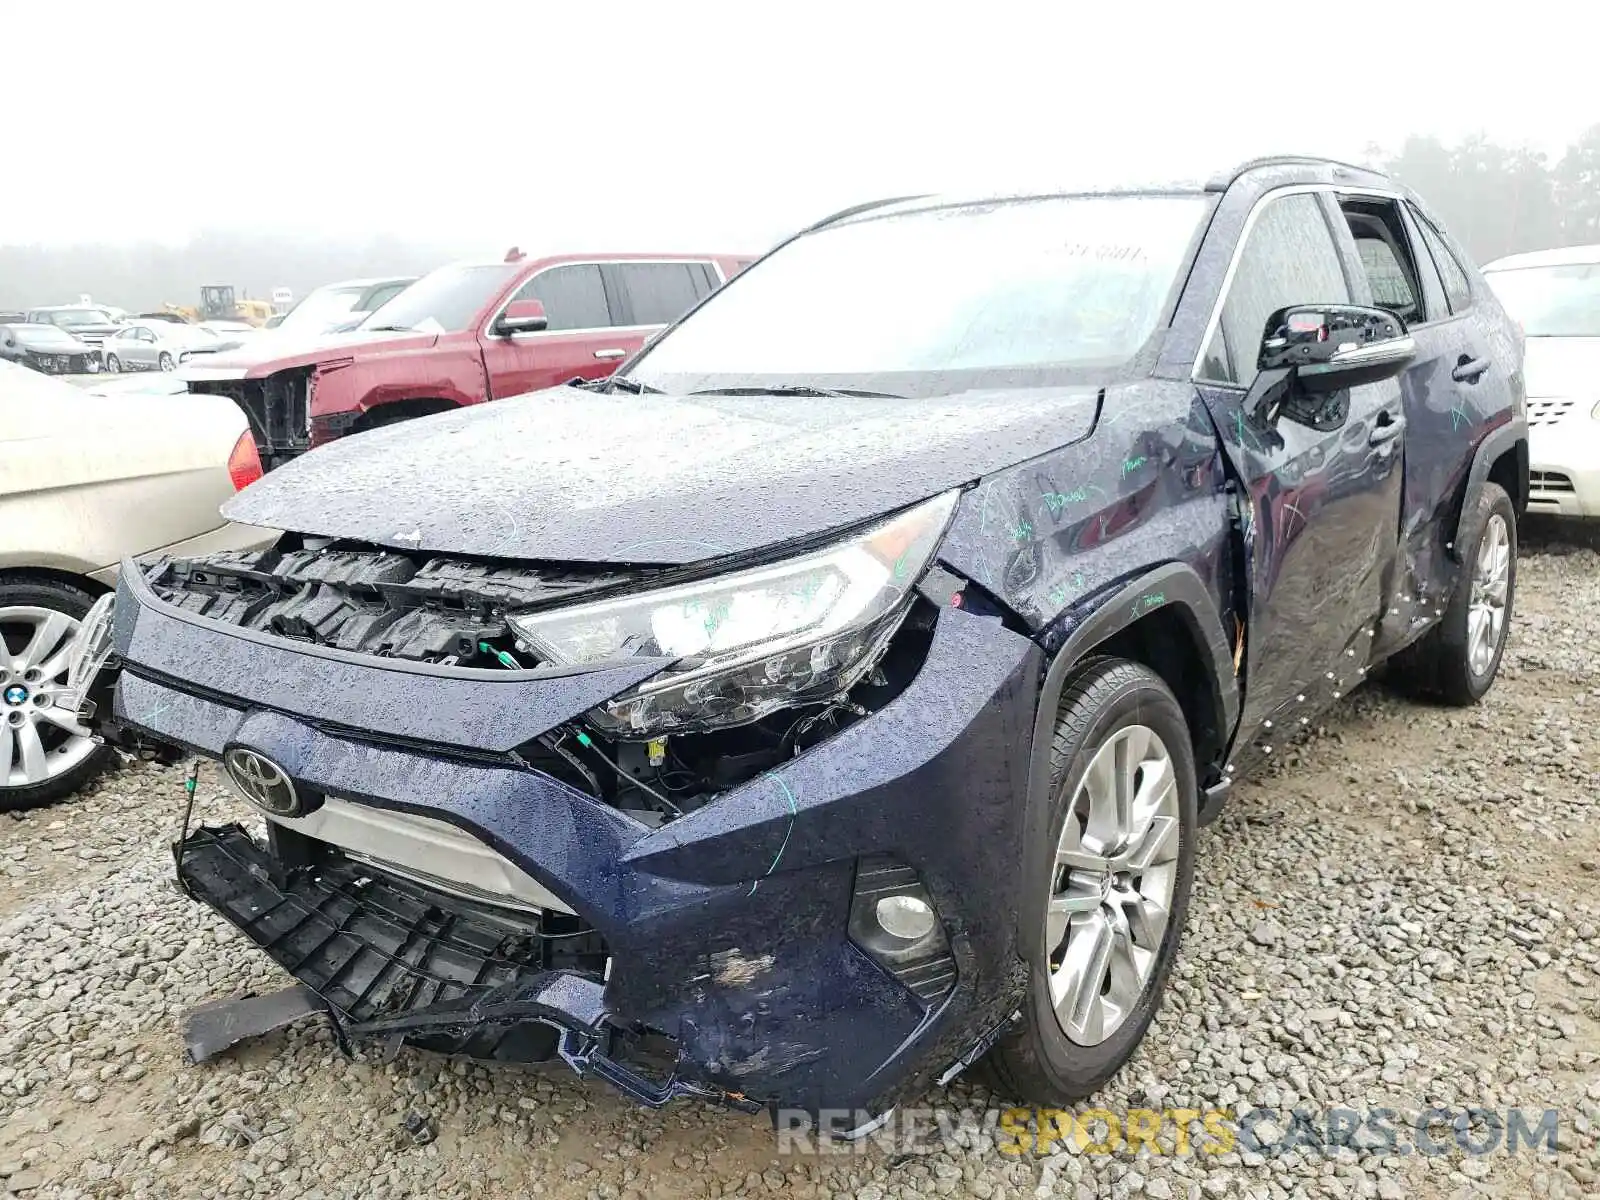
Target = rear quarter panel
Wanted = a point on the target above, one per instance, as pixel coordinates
(89, 479)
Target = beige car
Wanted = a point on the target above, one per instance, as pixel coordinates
(84, 480)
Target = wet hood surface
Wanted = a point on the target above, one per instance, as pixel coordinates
(566, 475)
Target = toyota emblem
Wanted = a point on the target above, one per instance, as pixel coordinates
(262, 782)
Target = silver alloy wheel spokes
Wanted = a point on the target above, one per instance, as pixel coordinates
(1111, 893)
(1491, 582)
(38, 741)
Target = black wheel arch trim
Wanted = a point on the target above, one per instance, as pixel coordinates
(1173, 585)
(1494, 444)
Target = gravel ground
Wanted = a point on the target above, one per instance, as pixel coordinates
(1403, 914)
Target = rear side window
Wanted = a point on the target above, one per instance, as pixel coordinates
(1289, 258)
(1456, 288)
(660, 293)
(1438, 308)
(574, 297)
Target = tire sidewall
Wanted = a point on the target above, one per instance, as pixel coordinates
(1143, 700)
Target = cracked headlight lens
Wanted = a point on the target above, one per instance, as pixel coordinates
(793, 632)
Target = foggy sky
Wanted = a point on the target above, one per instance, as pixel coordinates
(696, 125)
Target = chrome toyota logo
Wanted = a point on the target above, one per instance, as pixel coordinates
(261, 781)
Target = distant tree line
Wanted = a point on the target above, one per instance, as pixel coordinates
(142, 276)
(1504, 199)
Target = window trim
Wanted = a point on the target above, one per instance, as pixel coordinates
(485, 334)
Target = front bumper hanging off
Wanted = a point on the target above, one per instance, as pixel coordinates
(391, 965)
(728, 965)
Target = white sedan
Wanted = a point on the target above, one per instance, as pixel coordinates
(89, 479)
(160, 345)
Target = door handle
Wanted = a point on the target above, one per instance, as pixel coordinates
(1385, 429)
(613, 352)
(1469, 370)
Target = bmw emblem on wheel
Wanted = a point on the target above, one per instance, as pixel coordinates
(262, 782)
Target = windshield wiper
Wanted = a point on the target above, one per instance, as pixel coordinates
(798, 389)
(385, 328)
(616, 383)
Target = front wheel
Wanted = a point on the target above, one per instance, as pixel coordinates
(1110, 884)
(113, 363)
(165, 361)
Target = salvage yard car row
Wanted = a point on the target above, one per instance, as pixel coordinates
(831, 698)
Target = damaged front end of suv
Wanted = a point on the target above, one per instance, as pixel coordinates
(522, 810)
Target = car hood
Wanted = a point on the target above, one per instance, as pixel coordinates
(54, 341)
(270, 351)
(574, 476)
(1561, 366)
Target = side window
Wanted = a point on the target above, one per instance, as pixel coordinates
(660, 293)
(1290, 258)
(1386, 258)
(1433, 299)
(1456, 288)
(573, 297)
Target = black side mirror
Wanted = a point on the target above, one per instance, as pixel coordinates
(1330, 347)
(521, 316)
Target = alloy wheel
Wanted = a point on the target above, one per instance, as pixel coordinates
(1111, 897)
(1486, 612)
(38, 740)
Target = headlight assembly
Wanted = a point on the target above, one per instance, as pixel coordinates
(793, 632)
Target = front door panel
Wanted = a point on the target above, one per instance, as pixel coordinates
(1319, 520)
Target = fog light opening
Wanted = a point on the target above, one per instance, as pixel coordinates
(893, 922)
(909, 918)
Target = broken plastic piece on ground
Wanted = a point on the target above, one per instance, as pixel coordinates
(419, 1127)
(211, 1028)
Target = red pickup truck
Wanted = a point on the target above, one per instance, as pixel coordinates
(463, 334)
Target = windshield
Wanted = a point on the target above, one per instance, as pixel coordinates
(72, 317)
(321, 308)
(930, 301)
(445, 301)
(1562, 301)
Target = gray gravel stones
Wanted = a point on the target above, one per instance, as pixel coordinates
(1402, 914)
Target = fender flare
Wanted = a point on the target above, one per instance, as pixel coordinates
(1173, 585)
(1494, 444)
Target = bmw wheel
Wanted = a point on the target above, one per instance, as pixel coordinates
(44, 753)
(1110, 884)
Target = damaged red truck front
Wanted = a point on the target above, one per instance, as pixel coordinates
(466, 333)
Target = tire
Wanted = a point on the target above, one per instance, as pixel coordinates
(1103, 706)
(1449, 663)
(165, 361)
(113, 364)
(33, 597)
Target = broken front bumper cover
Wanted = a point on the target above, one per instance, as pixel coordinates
(727, 931)
(391, 964)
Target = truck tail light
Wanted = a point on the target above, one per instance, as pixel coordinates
(244, 464)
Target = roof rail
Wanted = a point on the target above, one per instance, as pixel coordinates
(855, 209)
(1221, 183)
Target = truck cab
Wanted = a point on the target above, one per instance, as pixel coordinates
(451, 339)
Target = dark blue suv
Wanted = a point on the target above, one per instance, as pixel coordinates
(832, 698)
